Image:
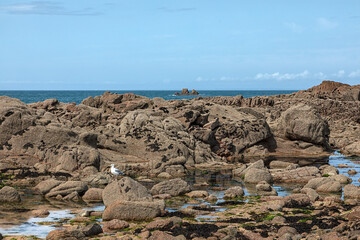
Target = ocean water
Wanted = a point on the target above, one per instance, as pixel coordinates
(78, 96)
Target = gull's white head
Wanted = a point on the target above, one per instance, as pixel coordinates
(112, 165)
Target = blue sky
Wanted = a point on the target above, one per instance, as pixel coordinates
(200, 44)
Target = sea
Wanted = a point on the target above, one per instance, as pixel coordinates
(77, 96)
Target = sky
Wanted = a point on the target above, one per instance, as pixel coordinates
(166, 45)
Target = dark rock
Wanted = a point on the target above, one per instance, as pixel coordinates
(92, 229)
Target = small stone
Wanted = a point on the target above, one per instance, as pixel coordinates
(234, 192)
(197, 194)
(40, 213)
(162, 196)
(211, 198)
(352, 172)
(115, 224)
(164, 175)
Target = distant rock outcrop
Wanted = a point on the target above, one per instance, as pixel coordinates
(185, 91)
(333, 90)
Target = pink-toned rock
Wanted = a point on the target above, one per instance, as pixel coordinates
(115, 224)
(93, 195)
(40, 213)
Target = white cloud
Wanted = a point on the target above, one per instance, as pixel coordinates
(200, 79)
(294, 27)
(320, 75)
(326, 24)
(278, 76)
(224, 78)
(355, 74)
(339, 74)
(46, 8)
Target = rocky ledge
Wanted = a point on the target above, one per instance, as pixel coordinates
(145, 136)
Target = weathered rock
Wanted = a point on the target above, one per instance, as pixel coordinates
(9, 194)
(282, 164)
(299, 175)
(92, 229)
(352, 172)
(61, 234)
(328, 170)
(287, 230)
(74, 196)
(324, 184)
(115, 224)
(311, 193)
(93, 195)
(302, 122)
(125, 189)
(45, 186)
(197, 194)
(263, 188)
(40, 213)
(351, 192)
(174, 187)
(234, 192)
(66, 188)
(163, 225)
(341, 179)
(255, 175)
(133, 210)
(15, 117)
(297, 201)
(159, 235)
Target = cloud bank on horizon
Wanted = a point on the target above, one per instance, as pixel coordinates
(200, 44)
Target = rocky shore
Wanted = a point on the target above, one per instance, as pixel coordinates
(62, 152)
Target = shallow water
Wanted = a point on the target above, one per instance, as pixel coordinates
(215, 182)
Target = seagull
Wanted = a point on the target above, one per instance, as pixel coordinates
(116, 171)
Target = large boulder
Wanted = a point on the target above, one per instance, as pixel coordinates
(125, 189)
(302, 122)
(45, 186)
(324, 184)
(9, 194)
(351, 192)
(174, 187)
(67, 188)
(133, 210)
(255, 175)
(93, 195)
(15, 117)
(298, 175)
